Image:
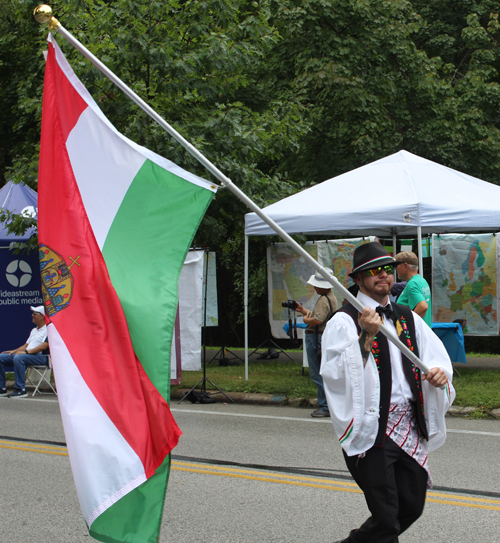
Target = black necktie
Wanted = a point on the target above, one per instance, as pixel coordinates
(386, 312)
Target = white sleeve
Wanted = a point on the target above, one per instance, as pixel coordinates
(436, 401)
(352, 390)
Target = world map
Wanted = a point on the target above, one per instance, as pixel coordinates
(464, 284)
(337, 255)
(288, 274)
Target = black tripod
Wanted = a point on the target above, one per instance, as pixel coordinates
(221, 354)
(269, 342)
(203, 396)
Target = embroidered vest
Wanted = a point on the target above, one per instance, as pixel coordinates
(405, 326)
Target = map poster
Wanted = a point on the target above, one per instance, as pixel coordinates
(210, 281)
(288, 273)
(337, 255)
(464, 281)
(287, 276)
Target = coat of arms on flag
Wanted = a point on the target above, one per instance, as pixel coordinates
(57, 280)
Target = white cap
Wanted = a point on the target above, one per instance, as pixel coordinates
(38, 309)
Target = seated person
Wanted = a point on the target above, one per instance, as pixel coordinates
(29, 354)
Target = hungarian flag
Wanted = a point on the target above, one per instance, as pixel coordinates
(115, 224)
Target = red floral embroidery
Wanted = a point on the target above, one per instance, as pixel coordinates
(415, 369)
(376, 352)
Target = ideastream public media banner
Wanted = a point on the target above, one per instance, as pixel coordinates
(19, 289)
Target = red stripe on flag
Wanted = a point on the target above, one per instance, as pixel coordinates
(93, 325)
(70, 105)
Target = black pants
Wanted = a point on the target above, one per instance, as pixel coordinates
(394, 485)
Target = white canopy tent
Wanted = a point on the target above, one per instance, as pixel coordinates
(402, 191)
(402, 194)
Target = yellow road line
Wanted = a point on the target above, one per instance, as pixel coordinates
(449, 499)
(470, 499)
(266, 473)
(337, 483)
(33, 445)
(462, 504)
(268, 479)
(239, 473)
(35, 448)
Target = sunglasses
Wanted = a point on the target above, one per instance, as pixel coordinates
(389, 268)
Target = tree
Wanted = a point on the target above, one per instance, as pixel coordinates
(368, 74)
(462, 126)
(21, 77)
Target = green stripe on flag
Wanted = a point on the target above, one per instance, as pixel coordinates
(144, 251)
(135, 518)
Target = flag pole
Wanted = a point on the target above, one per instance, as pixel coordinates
(43, 14)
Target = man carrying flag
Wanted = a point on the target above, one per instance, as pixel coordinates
(115, 223)
(386, 413)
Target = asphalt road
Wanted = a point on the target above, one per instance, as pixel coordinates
(246, 474)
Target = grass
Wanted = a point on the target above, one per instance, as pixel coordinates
(265, 377)
(478, 388)
(483, 355)
(474, 388)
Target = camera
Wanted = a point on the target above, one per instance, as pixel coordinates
(291, 304)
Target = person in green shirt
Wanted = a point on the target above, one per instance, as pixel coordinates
(417, 294)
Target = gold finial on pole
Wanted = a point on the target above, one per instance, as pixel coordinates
(43, 14)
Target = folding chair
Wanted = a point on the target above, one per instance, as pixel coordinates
(36, 375)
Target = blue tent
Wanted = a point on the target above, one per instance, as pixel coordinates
(20, 285)
(18, 199)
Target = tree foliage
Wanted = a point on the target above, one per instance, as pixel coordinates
(279, 94)
(372, 78)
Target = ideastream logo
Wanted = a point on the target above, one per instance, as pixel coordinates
(18, 273)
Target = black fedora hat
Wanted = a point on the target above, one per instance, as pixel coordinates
(370, 255)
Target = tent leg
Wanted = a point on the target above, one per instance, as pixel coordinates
(394, 250)
(420, 259)
(246, 308)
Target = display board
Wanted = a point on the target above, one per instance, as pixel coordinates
(288, 273)
(20, 288)
(337, 254)
(210, 281)
(465, 280)
(190, 310)
(187, 341)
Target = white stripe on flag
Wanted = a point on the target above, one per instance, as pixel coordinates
(104, 466)
(107, 169)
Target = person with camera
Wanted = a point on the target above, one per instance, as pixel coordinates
(316, 321)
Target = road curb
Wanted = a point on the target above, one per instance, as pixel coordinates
(250, 398)
(308, 403)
